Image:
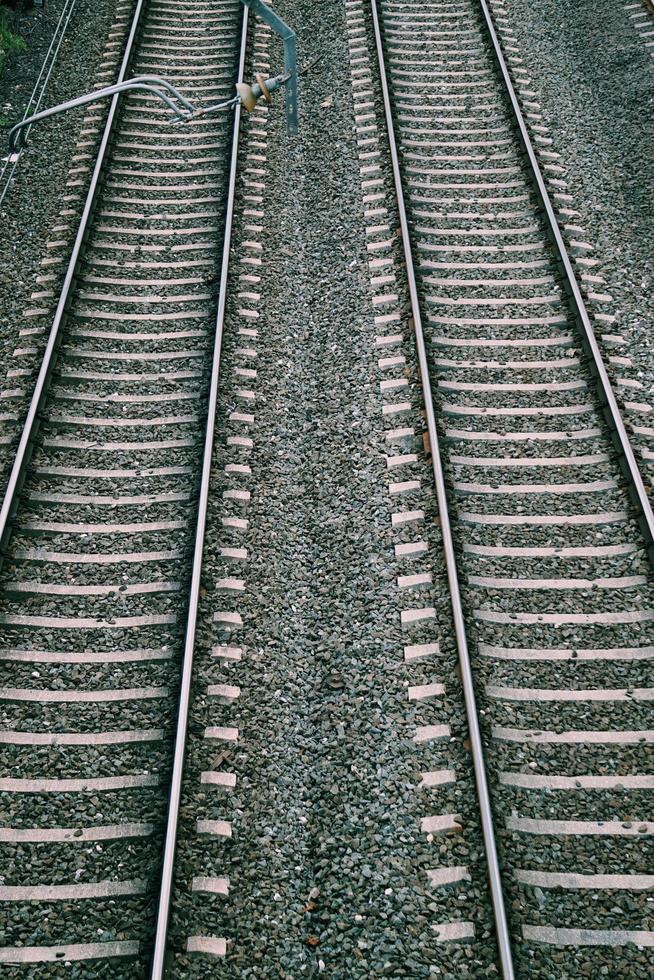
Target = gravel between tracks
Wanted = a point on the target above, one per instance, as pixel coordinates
(327, 863)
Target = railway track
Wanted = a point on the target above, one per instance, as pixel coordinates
(101, 514)
(640, 14)
(551, 552)
(520, 696)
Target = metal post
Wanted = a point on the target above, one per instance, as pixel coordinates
(290, 59)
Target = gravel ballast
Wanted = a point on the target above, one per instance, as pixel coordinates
(328, 823)
(591, 73)
(322, 863)
(557, 586)
(96, 573)
(43, 169)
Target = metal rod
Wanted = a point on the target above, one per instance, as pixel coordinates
(31, 425)
(163, 914)
(201, 113)
(142, 83)
(477, 750)
(591, 348)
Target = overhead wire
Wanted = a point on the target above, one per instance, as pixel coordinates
(10, 162)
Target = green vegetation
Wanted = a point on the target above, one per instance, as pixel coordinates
(10, 43)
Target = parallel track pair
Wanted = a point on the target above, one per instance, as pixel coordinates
(112, 215)
(115, 456)
(489, 275)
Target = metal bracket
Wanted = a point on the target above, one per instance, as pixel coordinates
(290, 59)
(167, 92)
(145, 83)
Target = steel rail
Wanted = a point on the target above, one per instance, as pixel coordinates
(159, 965)
(32, 420)
(608, 401)
(477, 750)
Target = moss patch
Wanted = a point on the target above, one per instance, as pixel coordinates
(10, 43)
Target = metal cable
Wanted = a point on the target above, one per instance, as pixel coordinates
(35, 102)
(32, 420)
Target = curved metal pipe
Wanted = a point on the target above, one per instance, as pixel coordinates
(141, 83)
(164, 83)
